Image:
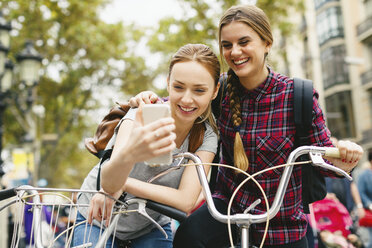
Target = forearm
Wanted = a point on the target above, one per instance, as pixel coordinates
(356, 196)
(115, 173)
(176, 198)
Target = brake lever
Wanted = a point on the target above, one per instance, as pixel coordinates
(142, 210)
(317, 160)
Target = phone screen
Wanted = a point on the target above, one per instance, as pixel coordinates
(150, 113)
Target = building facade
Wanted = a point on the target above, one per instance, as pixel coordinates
(336, 53)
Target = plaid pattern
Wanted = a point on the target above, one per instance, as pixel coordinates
(267, 132)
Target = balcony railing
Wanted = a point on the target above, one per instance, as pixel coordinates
(366, 77)
(365, 26)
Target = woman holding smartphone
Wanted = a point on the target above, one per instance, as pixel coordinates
(192, 84)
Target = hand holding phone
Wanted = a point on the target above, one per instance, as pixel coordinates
(150, 113)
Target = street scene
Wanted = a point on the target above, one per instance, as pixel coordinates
(216, 123)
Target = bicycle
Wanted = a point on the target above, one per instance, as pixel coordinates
(243, 220)
(56, 200)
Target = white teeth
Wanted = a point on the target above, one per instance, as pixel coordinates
(187, 109)
(241, 61)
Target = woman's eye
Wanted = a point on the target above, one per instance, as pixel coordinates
(227, 46)
(177, 87)
(243, 43)
(200, 90)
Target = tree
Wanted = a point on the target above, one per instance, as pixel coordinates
(199, 24)
(85, 56)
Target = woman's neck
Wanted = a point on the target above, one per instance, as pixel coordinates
(251, 83)
(182, 130)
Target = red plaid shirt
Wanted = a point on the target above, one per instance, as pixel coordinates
(267, 132)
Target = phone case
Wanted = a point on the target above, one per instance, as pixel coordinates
(150, 113)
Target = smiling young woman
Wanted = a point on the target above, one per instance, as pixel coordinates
(192, 84)
(257, 131)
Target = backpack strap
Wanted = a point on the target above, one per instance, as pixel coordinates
(302, 107)
(106, 155)
(313, 183)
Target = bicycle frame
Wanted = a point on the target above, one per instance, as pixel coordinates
(241, 219)
(245, 220)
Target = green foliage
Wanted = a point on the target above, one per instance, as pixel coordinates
(87, 54)
(84, 52)
(202, 26)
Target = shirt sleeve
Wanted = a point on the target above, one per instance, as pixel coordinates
(210, 140)
(319, 133)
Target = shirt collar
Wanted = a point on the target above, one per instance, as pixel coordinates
(263, 89)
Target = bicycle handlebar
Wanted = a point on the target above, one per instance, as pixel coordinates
(316, 154)
(7, 193)
(167, 210)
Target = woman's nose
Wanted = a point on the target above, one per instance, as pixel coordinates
(235, 50)
(187, 97)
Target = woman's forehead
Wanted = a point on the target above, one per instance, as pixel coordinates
(191, 72)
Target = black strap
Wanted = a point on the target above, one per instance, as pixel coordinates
(302, 107)
(106, 155)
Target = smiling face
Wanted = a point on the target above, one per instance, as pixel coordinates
(244, 52)
(191, 87)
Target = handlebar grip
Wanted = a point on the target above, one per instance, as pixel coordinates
(7, 193)
(332, 152)
(167, 210)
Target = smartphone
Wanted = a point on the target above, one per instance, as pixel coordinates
(150, 113)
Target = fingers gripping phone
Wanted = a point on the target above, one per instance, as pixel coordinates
(150, 113)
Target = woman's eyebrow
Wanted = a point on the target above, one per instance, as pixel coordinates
(195, 85)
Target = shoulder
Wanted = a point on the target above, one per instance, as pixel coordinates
(208, 128)
(282, 82)
(210, 139)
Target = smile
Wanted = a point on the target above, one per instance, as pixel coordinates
(186, 109)
(240, 61)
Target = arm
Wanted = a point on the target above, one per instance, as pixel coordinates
(362, 187)
(350, 152)
(136, 143)
(357, 199)
(183, 198)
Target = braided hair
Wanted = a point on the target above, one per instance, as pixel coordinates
(240, 157)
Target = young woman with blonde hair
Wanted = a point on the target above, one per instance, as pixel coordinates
(192, 84)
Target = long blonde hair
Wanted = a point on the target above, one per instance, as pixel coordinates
(205, 56)
(255, 18)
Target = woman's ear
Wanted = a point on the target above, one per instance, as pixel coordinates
(268, 47)
(215, 93)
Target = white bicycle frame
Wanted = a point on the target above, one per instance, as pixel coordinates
(245, 220)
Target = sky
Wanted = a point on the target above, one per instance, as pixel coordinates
(142, 12)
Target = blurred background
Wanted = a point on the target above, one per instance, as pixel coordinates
(64, 63)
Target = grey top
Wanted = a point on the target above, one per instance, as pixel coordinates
(135, 225)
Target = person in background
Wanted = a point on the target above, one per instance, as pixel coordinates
(345, 191)
(365, 190)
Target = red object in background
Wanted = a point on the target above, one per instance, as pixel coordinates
(332, 216)
(367, 219)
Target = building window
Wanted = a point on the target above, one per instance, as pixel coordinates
(340, 115)
(334, 68)
(329, 24)
(320, 3)
(368, 6)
